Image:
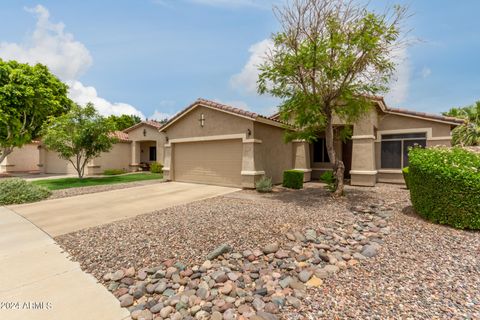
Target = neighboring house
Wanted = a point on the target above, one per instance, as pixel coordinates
(217, 144)
(137, 146)
(213, 143)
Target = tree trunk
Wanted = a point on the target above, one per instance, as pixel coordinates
(4, 152)
(338, 166)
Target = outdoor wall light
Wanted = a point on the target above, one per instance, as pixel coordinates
(144, 132)
(166, 139)
(249, 132)
(202, 120)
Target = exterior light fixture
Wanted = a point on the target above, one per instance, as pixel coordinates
(144, 132)
(202, 120)
(249, 132)
(166, 139)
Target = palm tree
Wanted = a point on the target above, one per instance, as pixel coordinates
(467, 134)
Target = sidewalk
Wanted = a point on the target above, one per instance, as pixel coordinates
(40, 282)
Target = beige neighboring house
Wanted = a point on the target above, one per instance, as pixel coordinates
(137, 147)
(212, 143)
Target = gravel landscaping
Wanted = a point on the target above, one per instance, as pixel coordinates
(366, 256)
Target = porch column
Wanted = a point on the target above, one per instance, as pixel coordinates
(252, 164)
(364, 171)
(301, 158)
(161, 149)
(135, 163)
(167, 164)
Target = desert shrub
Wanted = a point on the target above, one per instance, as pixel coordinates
(16, 191)
(328, 178)
(156, 167)
(293, 179)
(445, 186)
(113, 172)
(405, 175)
(264, 185)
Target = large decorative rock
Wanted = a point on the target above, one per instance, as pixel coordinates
(218, 251)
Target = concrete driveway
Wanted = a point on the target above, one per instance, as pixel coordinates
(62, 216)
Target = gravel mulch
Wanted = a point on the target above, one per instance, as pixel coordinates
(65, 193)
(423, 271)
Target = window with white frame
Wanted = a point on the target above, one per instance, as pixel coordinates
(394, 148)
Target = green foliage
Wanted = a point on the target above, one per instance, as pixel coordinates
(329, 178)
(124, 121)
(28, 96)
(113, 172)
(79, 136)
(264, 185)
(156, 167)
(329, 56)
(405, 172)
(293, 179)
(16, 191)
(67, 183)
(467, 134)
(445, 186)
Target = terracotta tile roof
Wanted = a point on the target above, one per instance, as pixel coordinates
(223, 107)
(151, 123)
(120, 135)
(426, 115)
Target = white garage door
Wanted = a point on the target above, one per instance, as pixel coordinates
(210, 162)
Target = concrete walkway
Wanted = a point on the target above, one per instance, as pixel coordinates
(62, 216)
(38, 281)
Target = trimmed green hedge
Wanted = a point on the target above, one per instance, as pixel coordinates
(405, 176)
(293, 179)
(445, 186)
(156, 167)
(17, 191)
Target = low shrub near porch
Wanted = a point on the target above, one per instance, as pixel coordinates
(293, 179)
(445, 186)
(17, 191)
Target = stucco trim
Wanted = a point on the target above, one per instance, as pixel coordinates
(428, 131)
(166, 169)
(364, 137)
(441, 138)
(389, 171)
(252, 173)
(364, 172)
(420, 117)
(242, 136)
(304, 170)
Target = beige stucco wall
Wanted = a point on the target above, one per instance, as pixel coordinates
(24, 159)
(276, 155)
(216, 123)
(117, 158)
(54, 164)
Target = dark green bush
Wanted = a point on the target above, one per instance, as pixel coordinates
(264, 185)
(113, 172)
(156, 167)
(293, 179)
(405, 176)
(329, 178)
(445, 186)
(16, 191)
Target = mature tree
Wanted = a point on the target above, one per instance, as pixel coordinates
(124, 121)
(79, 136)
(328, 56)
(28, 96)
(467, 134)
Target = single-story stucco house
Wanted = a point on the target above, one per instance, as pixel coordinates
(137, 146)
(213, 143)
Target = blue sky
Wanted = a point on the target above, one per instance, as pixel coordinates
(154, 57)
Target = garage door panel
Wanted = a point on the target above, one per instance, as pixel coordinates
(211, 162)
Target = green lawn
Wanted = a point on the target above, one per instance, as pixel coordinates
(66, 183)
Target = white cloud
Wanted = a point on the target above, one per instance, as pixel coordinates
(426, 72)
(159, 116)
(66, 57)
(84, 94)
(246, 80)
(400, 84)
